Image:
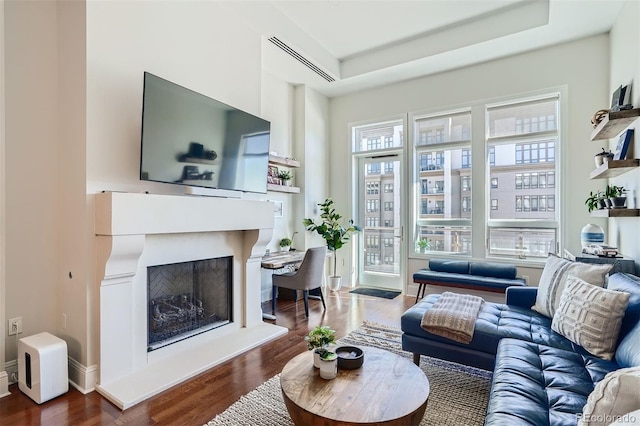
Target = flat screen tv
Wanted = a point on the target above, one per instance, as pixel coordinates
(191, 139)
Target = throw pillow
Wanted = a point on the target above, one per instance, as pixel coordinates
(590, 316)
(612, 397)
(554, 277)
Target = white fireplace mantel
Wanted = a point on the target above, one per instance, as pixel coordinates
(135, 230)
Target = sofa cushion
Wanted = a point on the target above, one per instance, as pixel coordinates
(540, 385)
(554, 276)
(629, 284)
(452, 266)
(590, 316)
(614, 396)
(628, 352)
(496, 270)
(494, 322)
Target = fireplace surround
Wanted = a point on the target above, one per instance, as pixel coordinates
(135, 231)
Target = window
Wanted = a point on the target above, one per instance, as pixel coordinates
(524, 132)
(388, 141)
(388, 187)
(494, 182)
(373, 188)
(388, 168)
(372, 206)
(388, 223)
(373, 143)
(492, 156)
(442, 153)
(373, 169)
(372, 222)
(388, 206)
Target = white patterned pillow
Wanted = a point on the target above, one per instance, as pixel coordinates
(554, 276)
(614, 396)
(590, 316)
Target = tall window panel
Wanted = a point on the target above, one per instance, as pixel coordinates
(522, 141)
(442, 153)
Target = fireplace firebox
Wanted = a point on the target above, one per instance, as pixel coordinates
(187, 298)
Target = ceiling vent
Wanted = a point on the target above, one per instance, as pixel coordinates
(298, 57)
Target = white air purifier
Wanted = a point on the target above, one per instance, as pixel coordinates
(42, 367)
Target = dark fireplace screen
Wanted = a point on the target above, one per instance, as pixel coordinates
(189, 298)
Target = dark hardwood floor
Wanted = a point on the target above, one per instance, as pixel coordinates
(198, 400)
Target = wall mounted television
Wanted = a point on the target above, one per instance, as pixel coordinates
(191, 139)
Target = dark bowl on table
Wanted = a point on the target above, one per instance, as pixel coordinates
(349, 357)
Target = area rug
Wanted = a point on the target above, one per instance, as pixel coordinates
(375, 292)
(458, 396)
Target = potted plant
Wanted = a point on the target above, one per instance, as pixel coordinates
(595, 201)
(603, 157)
(285, 244)
(319, 340)
(423, 244)
(617, 199)
(336, 233)
(285, 177)
(328, 365)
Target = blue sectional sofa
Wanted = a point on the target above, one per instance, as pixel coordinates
(539, 376)
(484, 276)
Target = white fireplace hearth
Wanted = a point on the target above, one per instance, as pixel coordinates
(135, 231)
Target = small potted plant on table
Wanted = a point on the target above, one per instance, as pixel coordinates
(319, 340)
(285, 244)
(423, 245)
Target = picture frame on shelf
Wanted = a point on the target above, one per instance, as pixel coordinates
(272, 175)
(623, 145)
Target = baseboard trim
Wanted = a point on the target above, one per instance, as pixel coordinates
(81, 377)
(4, 384)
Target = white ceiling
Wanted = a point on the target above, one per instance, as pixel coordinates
(363, 43)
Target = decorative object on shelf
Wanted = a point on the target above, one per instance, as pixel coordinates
(335, 233)
(318, 341)
(285, 177)
(616, 197)
(603, 157)
(598, 117)
(591, 234)
(329, 365)
(620, 100)
(349, 357)
(595, 201)
(272, 175)
(623, 145)
(285, 244)
(423, 245)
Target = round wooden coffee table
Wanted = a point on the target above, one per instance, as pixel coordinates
(387, 388)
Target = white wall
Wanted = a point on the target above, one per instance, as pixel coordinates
(625, 69)
(74, 74)
(578, 66)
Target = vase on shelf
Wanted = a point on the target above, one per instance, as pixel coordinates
(591, 234)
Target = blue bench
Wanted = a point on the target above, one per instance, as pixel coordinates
(485, 276)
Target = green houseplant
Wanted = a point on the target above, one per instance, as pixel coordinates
(595, 201)
(318, 340)
(616, 196)
(285, 177)
(423, 244)
(335, 231)
(285, 244)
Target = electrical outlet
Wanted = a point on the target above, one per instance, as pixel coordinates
(15, 326)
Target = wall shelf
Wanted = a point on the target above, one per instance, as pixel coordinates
(614, 123)
(198, 160)
(614, 168)
(282, 188)
(283, 161)
(616, 213)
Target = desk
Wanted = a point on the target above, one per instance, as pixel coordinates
(282, 259)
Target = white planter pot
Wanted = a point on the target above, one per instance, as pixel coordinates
(329, 368)
(335, 283)
(285, 248)
(316, 359)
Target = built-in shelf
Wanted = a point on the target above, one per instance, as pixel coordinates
(283, 161)
(283, 188)
(198, 160)
(614, 123)
(614, 168)
(615, 213)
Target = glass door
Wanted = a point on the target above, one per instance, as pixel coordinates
(380, 200)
